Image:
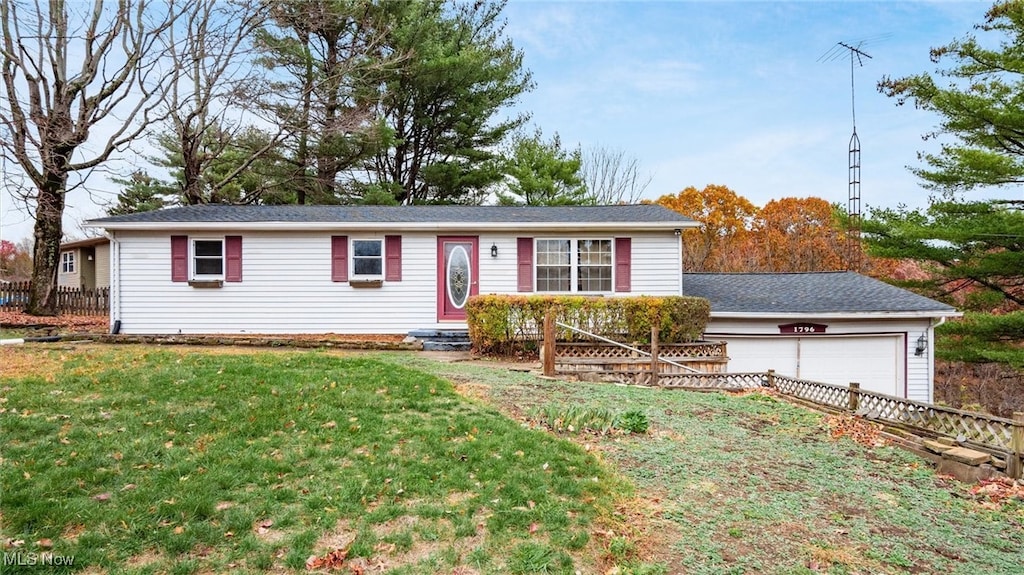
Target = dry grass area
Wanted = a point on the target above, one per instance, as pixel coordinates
(746, 483)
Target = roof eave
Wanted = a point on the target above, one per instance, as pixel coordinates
(401, 226)
(837, 315)
(86, 243)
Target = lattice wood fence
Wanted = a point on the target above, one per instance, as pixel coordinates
(979, 429)
(609, 362)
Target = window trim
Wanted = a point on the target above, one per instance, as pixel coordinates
(67, 262)
(193, 255)
(574, 265)
(353, 275)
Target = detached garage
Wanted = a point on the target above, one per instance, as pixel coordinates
(833, 327)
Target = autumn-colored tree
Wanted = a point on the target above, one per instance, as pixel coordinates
(15, 260)
(797, 235)
(7, 252)
(726, 218)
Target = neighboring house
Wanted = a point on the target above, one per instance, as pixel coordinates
(84, 264)
(373, 269)
(834, 327)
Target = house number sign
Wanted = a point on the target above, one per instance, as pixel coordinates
(803, 328)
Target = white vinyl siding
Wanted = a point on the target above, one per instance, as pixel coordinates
(288, 287)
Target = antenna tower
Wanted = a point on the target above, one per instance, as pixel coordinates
(857, 55)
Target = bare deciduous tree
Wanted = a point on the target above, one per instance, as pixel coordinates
(612, 177)
(211, 50)
(80, 81)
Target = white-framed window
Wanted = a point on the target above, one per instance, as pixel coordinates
(208, 258)
(368, 259)
(67, 262)
(574, 265)
(594, 265)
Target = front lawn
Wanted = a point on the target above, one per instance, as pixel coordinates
(144, 460)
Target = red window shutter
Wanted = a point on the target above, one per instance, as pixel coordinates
(179, 258)
(623, 264)
(339, 258)
(524, 257)
(393, 257)
(233, 258)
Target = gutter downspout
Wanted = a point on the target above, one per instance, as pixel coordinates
(931, 356)
(115, 282)
(679, 258)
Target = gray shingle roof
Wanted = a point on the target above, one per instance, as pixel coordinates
(401, 214)
(817, 292)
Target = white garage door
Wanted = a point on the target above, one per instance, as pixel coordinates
(873, 361)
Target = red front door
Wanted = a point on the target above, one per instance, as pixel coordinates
(457, 275)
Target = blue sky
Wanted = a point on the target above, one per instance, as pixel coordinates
(729, 93)
(733, 93)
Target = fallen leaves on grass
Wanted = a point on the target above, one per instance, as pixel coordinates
(71, 323)
(998, 491)
(18, 362)
(860, 430)
(332, 560)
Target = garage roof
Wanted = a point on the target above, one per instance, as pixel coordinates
(806, 293)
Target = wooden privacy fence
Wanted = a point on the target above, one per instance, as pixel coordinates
(71, 301)
(676, 366)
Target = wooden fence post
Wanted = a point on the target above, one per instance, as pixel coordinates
(771, 378)
(549, 343)
(654, 355)
(1015, 464)
(854, 396)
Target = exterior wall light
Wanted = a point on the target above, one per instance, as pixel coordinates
(494, 250)
(922, 345)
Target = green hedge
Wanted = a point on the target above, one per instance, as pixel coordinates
(511, 324)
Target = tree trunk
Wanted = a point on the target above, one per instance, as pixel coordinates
(48, 233)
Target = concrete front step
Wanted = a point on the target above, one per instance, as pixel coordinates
(443, 339)
(452, 345)
(435, 334)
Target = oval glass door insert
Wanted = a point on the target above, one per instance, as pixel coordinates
(457, 277)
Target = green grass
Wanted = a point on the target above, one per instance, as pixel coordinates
(751, 484)
(255, 462)
(137, 460)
